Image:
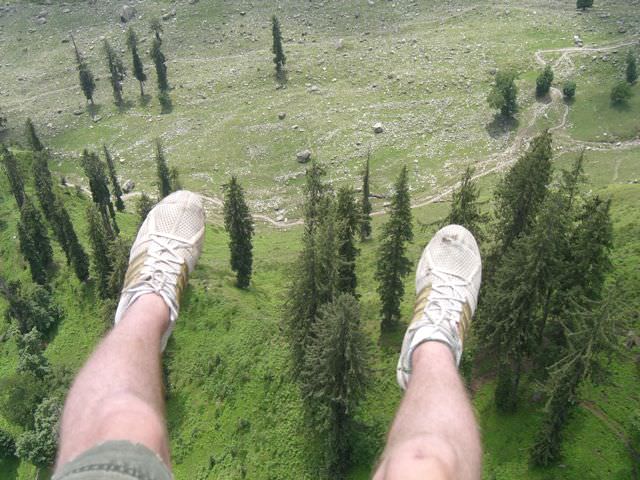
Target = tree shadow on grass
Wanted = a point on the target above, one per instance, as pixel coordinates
(144, 100)
(501, 126)
(621, 106)
(125, 105)
(93, 109)
(9, 468)
(166, 105)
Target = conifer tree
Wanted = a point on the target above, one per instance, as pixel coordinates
(30, 354)
(347, 222)
(393, 264)
(279, 57)
(621, 93)
(144, 205)
(159, 61)
(98, 184)
(32, 137)
(584, 4)
(119, 250)
(30, 306)
(365, 207)
(164, 179)
(239, 225)
(326, 254)
(100, 246)
(34, 242)
(115, 184)
(77, 255)
(116, 71)
(632, 68)
(520, 193)
(544, 81)
(39, 445)
(156, 28)
(465, 210)
(504, 93)
(334, 378)
(138, 67)
(87, 82)
(13, 174)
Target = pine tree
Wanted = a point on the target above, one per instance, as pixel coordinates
(77, 255)
(520, 193)
(94, 169)
(87, 82)
(156, 28)
(569, 90)
(504, 93)
(279, 57)
(144, 205)
(30, 354)
(334, 378)
(621, 93)
(465, 210)
(239, 225)
(116, 72)
(100, 246)
(119, 250)
(164, 179)
(365, 206)
(32, 137)
(632, 68)
(30, 306)
(393, 265)
(584, 4)
(39, 445)
(34, 242)
(115, 184)
(159, 61)
(544, 81)
(138, 67)
(347, 221)
(13, 174)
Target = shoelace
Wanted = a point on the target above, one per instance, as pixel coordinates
(446, 300)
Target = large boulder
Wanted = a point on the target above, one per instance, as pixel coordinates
(304, 156)
(127, 12)
(128, 186)
(378, 128)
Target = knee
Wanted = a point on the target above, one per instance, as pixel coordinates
(126, 411)
(423, 456)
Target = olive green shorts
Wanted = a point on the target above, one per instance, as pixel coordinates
(117, 460)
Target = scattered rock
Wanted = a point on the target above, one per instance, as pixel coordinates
(128, 186)
(78, 112)
(97, 118)
(65, 40)
(314, 89)
(66, 10)
(280, 218)
(282, 115)
(622, 29)
(41, 20)
(340, 44)
(578, 41)
(192, 2)
(127, 12)
(169, 15)
(304, 156)
(378, 128)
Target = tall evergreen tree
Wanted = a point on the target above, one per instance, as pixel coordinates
(239, 225)
(119, 250)
(365, 206)
(32, 137)
(156, 28)
(117, 71)
(30, 354)
(98, 184)
(39, 445)
(632, 68)
(77, 255)
(334, 378)
(164, 179)
(159, 61)
(347, 222)
(393, 264)
(13, 174)
(503, 95)
(115, 184)
(144, 205)
(465, 210)
(34, 242)
(279, 57)
(138, 67)
(30, 306)
(87, 82)
(520, 193)
(100, 246)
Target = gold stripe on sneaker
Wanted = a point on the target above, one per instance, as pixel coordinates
(465, 320)
(133, 271)
(181, 282)
(421, 302)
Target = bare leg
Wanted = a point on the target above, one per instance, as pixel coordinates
(434, 435)
(118, 394)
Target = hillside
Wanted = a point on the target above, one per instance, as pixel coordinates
(421, 69)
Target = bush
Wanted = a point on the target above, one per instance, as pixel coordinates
(20, 395)
(7, 445)
(544, 81)
(620, 93)
(569, 90)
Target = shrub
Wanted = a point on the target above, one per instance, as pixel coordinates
(544, 81)
(620, 93)
(7, 445)
(569, 90)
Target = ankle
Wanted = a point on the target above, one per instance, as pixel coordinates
(149, 309)
(430, 352)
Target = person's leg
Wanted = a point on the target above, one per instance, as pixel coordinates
(118, 394)
(435, 435)
(117, 398)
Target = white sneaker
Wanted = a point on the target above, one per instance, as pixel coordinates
(165, 252)
(447, 284)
